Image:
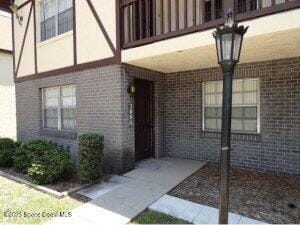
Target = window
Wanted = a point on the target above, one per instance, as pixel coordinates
(56, 18)
(245, 101)
(207, 7)
(241, 6)
(59, 104)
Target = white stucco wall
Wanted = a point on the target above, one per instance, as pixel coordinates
(7, 97)
(5, 31)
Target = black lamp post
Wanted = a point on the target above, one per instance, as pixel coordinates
(229, 41)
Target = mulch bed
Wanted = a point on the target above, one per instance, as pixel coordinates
(268, 197)
(60, 186)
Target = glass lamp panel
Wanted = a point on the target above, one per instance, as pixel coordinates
(236, 46)
(226, 46)
(218, 40)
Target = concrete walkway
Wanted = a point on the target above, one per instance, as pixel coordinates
(124, 197)
(195, 213)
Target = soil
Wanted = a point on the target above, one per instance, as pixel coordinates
(268, 197)
(60, 185)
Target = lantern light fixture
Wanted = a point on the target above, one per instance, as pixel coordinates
(229, 40)
(14, 8)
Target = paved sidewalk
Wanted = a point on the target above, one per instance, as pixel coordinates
(124, 197)
(195, 213)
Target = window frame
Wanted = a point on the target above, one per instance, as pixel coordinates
(59, 109)
(216, 105)
(56, 16)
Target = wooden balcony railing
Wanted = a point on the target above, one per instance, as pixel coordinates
(146, 21)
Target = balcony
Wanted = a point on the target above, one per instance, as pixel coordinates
(148, 21)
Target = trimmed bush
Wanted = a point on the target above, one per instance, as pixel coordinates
(43, 161)
(90, 157)
(7, 150)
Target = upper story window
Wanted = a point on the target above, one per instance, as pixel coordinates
(245, 105)
(56, 18)
(59, 104)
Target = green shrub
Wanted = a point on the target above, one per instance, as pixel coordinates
(7, 150)
(90, 157)
(43, 161)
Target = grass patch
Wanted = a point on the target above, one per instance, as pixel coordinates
(16, 200)
(152, 217)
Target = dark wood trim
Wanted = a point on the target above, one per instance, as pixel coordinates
(34, 30)
(6, 51)
(74, 33)
(24, 4)
(70, 69)
(118, 29)
(204, 26)
(102, 28)
(24, 38)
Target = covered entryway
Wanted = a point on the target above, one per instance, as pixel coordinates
(144, 132)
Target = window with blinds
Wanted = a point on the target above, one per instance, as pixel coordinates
(56, 18)
(59, 104)
(245, 103)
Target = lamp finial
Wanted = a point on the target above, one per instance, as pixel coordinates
(229, 18)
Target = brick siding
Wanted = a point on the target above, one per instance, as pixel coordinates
(276, 148)
(103, 106)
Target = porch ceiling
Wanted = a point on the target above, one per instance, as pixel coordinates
(282, 44)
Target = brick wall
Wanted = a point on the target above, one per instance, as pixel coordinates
(276, 148)
(98, 99)
(102, 106)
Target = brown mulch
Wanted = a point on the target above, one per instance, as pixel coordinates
(60, 186)
(261, 196)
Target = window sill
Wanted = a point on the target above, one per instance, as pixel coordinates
(234, 136)
(60, 134)
(54, 39)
